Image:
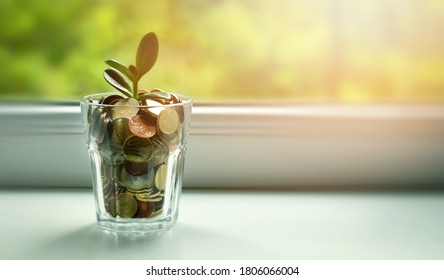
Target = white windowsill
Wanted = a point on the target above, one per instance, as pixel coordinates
(248, 147)
(60, 224)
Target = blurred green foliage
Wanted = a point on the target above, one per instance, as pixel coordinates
(312, 51)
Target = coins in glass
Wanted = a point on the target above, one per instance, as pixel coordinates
(110, 207)
(174, 98)
(111, 154)
(161, 177)
(160, 152)
(112, 99)
(126, 205)
(120, 131)
(174, 142)
(142, 127)
(125, 108)
(136, 169)
(98, 128)
(145, 209)
(152, 195)
(136, 183)
(168, 121)
(138, 149)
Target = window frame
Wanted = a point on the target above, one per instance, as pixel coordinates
(247, 146)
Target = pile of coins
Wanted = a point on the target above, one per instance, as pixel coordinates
(135, 139)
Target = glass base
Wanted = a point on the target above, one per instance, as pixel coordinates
(137, 225)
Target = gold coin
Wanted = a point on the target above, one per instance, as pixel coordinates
(180, 113)
(108, 190)
(126, 206)
(109, 171)
(145, 209)
(120, 131)
(149, 102)
(174, 98)
(160, 153)
(161, 176)
(149, 195)
(157, 212)
(137, 169)
(174, 143)
(159, 94)
(168, 121)
(125, 108)
(144, 197)
(144, 190)
(136, 183)
(110, 207)
(111, 99)
(138, 150)
(99, 123)
(111, 154)
(142, 127)
(156, 94)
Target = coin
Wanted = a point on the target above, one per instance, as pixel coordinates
(118, 172)
(146, 101)
(142, 127)
(111, 154)
(125, 108)
(157, 95)
(158, 208)
(136, 183)
(111, 99)
(174, 143)
(144, 190)
(174, 98)
(145, 209)
(159, 204)
(110, 207)
(98, 128)
(180, 113)
(179, 109)
(152, 195)
(126, 206)
(168, 121)
(156, 90)
(160, 153)
(138, 149)
(157, 212)
(161, 177)
(108, 190)
(136, 169)
(151, 199)
(120, 131)
(150, 178)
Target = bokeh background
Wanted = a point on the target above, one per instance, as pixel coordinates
(348, 51)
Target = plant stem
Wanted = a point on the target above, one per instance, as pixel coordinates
(136, 90)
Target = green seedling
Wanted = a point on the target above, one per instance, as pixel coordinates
(126, 79)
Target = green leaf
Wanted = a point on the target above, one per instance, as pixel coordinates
(146, 54)
(122, 69)
(114, 78)
(133, 70)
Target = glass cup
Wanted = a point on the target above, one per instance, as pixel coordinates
(137, 152)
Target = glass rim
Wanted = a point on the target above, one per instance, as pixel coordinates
(85, 100)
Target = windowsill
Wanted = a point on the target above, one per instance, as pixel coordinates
(245, 147)
(307, 147)
(60, 224)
